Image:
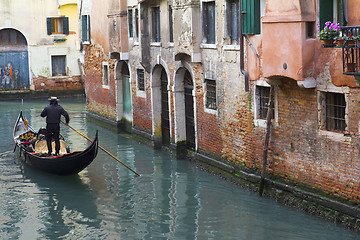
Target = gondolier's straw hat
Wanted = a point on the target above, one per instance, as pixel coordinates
(54, 99)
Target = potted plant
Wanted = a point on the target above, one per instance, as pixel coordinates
(329, 34)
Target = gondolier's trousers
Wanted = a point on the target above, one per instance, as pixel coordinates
(53, 131)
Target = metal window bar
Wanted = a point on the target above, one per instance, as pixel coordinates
(211, 94)
(351, 51)
(263, 105)
(335, 112)
(141, 79)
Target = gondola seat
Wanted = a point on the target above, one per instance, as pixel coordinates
(41, 147)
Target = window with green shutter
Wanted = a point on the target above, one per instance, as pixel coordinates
(57, 25)
(332, 10)
(250, 16)
(326, 12)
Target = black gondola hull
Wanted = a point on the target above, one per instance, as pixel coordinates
(71, 163)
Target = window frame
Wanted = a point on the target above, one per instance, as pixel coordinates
(230, 21)
(64, 70)
(261, 122)
(206, 30)
(171, 24)
(140, 85)
(209, 99)
(323, 112)
(156, 24)
(130, 23)
(52, 26)
(136, 25)
(85, 29)
(105, 79)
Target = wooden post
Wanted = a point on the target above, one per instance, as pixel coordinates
(266, 141)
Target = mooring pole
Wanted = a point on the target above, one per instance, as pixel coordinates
(266, 141)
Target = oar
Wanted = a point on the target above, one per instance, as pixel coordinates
(101, 148)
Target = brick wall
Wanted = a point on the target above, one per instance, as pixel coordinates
(61, 83)
(100, 100)
(297, 150)
(142, 118)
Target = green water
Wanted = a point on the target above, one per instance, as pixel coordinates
(172, 199)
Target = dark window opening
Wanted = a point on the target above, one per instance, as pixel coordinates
(233, 21)
(211, 94)
(263, 96)
(171, 27)
(141, 79)
(85, 28)
(58, 65)
(209, 22)
(105, 75)
(136, 23)
(130, 19)
(335, 112)
(310, 29)
(156, 24)
(11, 37)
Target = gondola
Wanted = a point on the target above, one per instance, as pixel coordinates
(31, 145)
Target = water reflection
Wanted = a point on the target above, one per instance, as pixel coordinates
(171, 200)
(68, 207)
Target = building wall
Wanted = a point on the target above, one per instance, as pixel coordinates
(300, 151)
(32, 24)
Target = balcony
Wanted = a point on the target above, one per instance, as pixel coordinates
(351, 51)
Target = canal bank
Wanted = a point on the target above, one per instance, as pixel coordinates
(294, 194)
(39, 94)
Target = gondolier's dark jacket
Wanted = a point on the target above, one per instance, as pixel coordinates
(53, 113)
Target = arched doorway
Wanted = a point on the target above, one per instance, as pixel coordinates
(189, 110)
(165, 121)
(160, 105)
(14, 62)
(123, 92)
(184, 108)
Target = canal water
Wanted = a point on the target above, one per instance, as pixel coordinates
(172, 199)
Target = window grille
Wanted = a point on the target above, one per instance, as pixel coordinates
(335, 112)
(141, 79)
(211, 94)
(263, 95)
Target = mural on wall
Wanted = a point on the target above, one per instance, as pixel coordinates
(14, 62)
(14, 70)
(10, 77)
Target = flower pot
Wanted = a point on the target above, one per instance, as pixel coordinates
(340, 42)
(351, 43)
(328, 43)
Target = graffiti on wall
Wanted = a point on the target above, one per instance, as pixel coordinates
(9, 77)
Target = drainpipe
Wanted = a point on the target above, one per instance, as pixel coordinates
(245, 73)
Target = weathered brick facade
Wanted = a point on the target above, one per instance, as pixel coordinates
(301, 150)
(100, 99)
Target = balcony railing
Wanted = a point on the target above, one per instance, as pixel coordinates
(351, 51)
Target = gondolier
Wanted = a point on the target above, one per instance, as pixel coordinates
(53, 113)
